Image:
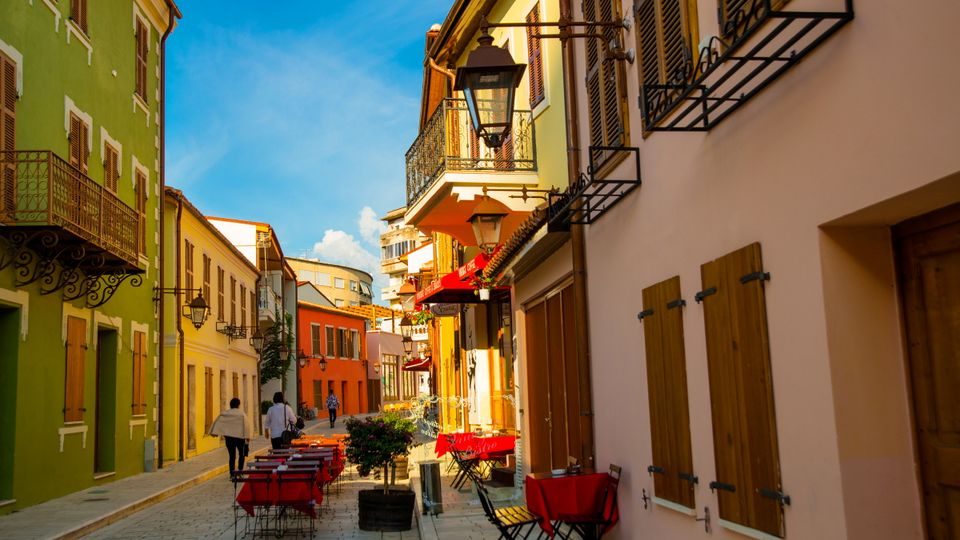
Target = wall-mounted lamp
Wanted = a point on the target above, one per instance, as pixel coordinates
(486, 221)
(488, 81)
(197, 310)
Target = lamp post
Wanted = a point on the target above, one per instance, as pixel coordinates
(486, 220)
(488, 81)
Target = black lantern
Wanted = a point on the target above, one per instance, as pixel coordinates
(322, 363)
(256, 341)
(302, 358)
(486, 221)
(488, 81)
(197, 311)
(407, 345)
(406, 327)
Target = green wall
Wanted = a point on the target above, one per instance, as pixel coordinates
(52, 69)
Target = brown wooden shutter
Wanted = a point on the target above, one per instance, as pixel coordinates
(233, 301)
(667, 387)
(243, 304)
(253, 310)
(220, 287)
(139, 405)
(666, 36)
(141, 202)
(8, 116)
(604, 80)
(187, 265)
(76, 351)
(74, 140)
(141, 61)
(741, 391)
(78, 14)
(535, 58)
(110, 175)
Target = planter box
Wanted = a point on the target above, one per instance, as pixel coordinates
(388, 512)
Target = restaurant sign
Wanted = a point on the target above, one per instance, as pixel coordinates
(445, 310)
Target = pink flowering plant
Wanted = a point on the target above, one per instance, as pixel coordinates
(374, 442)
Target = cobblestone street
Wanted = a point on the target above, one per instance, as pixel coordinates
(205, 511)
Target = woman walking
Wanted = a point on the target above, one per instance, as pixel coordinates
(234, 427)
(279, 416)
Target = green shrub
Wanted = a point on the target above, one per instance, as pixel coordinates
(376, 441)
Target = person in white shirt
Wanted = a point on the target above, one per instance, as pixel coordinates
(278, 418)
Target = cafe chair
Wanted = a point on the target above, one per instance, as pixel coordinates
(258, 486)
(295, 491)
(467, 469)
(593, 526)
(511, 520)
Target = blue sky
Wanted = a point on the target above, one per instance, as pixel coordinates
(298, 114)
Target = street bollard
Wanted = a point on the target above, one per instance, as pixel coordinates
(430, 487)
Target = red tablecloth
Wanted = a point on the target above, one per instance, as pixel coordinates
(302, 496)
(482, 447)
(559, 497)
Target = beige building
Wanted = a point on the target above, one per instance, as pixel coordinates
(773, 314)
(344, 286)
(398, 240)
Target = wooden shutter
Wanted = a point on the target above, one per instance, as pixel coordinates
(141, 60)
(110, 174)
(331, 345)
(73, 388)
(236, 385)
(139, 405)
(187, 265)
(220, 287)
(535, 58)
(78, 14)
(8, 116)
(206, 277)
(604, 80)
(667, 388)
(207, 399)
(665, 39)
(243, 304)
(233, 301)
(253, 309)
(741, 391)
(140, 193)
(315, 340)
(79, 141)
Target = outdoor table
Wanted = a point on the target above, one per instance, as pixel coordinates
(301, 496)
(555, 497)
(481, 447)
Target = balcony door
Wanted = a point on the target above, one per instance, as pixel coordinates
(9, 352)
(928, 251)
(556, 430)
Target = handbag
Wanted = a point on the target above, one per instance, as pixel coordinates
(300, 423)
(290, 433)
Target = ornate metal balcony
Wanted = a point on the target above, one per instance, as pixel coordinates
(760, 42)
(64, 229)
(449, 143)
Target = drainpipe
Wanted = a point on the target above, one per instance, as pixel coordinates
(580, 318)
(180, 344)
(171, 21)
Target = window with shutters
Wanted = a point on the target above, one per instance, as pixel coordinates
(741, 391)
(253, 308)
(207, 399)
(672, 465)
(606, 84)
(220, 287)
(79, 142)
(315, 339)
(331, 344)
(243, 303)
(141, 60)
(73, 389)
(111, 167)
(139, 398)
(535, 59)
(187, 265)
(78, 14)
(8, 116)
(342, 345)
(355, 336)
(233, 301)
(666, 41)
(206, 277)
(141, 195)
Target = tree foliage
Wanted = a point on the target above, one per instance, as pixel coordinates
(277, 342)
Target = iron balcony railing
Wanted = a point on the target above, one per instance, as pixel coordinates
(449, 143)
(41, 189)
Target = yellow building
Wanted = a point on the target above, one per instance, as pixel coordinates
(474, 348)
(208, 366)
(343, 285)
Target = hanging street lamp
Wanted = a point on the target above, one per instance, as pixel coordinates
(486, 221)
(488, 81)
(322, 363)
(256, 341)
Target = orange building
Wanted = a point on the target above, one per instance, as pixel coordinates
(338, 338)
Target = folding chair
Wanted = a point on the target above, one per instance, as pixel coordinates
(258, 484)
(510, 520)
(296, 490)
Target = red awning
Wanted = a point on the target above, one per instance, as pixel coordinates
(417, 364)
(455, 287)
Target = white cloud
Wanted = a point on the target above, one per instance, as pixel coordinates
(371, 227)
(340, 247)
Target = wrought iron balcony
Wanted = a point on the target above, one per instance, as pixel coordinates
(760, 42)
(449, 143)
(64, 229)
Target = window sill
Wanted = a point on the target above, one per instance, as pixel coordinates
(101, 476)
(538, 109)
(670, 505)
(7, 502)
(82, 38)
(138, 103)
(747, 531)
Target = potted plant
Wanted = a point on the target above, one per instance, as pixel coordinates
(483, 284)
(423, 315)
(374, 443)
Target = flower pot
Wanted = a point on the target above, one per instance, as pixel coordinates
(402, 464)
(484, 294)
(391, 511)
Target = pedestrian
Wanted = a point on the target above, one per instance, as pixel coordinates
(332, 405)
(279, 416)
(234, 426)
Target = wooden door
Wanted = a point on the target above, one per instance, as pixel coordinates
(928, 256)
(538, 399)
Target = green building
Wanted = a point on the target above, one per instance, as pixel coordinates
(81, 182)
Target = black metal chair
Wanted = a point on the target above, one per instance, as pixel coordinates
(259, 482)
(593, 526)
(510, 520)
(294, 489)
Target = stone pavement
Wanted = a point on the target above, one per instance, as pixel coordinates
(462, 517)
(85, 511)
